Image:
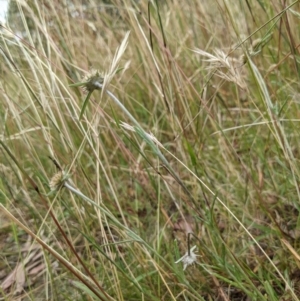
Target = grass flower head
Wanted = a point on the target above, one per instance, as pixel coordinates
(188, 258)
(58, 180)
(93, 81)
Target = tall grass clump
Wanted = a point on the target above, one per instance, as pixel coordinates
(149, 150)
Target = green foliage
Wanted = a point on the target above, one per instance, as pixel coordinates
(186, 136)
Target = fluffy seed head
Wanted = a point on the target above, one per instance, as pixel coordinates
(188, 258)
(93, 81)
(57, 181)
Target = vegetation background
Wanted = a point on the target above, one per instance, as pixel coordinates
(192, 141)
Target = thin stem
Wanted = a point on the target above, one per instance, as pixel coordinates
(188, 244)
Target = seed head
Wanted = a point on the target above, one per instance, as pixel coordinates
(93, 81)
(188, 258)
(57, 180)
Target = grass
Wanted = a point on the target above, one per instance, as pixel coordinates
(187, 136)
